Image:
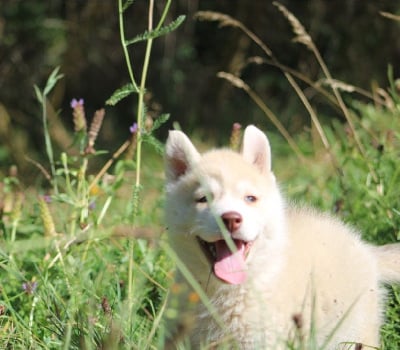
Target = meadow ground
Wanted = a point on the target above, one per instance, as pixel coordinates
(78, 273)
(84, 262)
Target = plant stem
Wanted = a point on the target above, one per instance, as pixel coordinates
(106, 166)
(142, 91)
(140, 118)
(124, 44)
(31, 316)
(345, 110)
(47, 140)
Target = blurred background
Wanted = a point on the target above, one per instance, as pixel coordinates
(82, 37)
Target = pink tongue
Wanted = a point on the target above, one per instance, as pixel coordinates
(230, 267)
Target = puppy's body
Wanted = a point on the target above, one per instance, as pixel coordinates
(278, 274)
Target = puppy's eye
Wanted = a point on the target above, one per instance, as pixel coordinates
(202, 199)
(250, 199)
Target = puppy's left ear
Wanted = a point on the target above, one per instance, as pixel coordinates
(180, 155)
(256, 149)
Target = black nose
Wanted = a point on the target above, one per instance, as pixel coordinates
(232, 220)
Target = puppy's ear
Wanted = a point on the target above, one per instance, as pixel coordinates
(256, 149)
(180, 154)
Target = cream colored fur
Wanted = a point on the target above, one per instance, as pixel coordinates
(309, 277)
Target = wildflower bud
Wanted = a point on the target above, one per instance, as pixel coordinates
(29, 287)
(235, 136)
(94, 190)
(48, 223)
(193, 297)
(78, 114)
(133, 128)
(105, 305)
(13, 171)
(47, 198)
(16, 211)
(8, 202)
(94, 130)
(132, 146)
(64, 159)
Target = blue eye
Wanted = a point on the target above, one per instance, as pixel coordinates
(250, 199)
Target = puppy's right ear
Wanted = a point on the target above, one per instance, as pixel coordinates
(180, 154)
(256, 149)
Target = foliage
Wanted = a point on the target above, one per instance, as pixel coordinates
(81, 261)
(82, 37)
(75, 281)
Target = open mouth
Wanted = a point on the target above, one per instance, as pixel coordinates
(229, 266)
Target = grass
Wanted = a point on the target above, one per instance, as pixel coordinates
(82, 263)
(71, 290)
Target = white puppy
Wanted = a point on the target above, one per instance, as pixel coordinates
(274, 275)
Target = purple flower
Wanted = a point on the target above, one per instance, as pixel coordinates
(47, 198)
(92, 205)
(133, 128)
(29, 287)
(75, 103)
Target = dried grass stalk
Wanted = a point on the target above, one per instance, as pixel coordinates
(302, 36)
(94, 130)
(223, 19)
(390, 15)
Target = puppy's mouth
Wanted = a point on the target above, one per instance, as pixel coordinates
(228, 265)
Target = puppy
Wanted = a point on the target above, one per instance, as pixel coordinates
(272, 276)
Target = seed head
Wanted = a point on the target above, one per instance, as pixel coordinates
(235, 136)
(48, 223)
(94, 130)
(78, 114)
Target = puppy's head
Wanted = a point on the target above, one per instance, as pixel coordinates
(222, 203)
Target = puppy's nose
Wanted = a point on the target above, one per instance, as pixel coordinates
(232, 220)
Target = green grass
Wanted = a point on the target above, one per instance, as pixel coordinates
(82, 260)
(69, 288)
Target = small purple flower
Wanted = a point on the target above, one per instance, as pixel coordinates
(78, 113)
(133, 128)
(75, 103)
(29, 287)
(47, 198)
(92, 205)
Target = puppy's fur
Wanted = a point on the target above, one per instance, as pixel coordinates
(273, 273)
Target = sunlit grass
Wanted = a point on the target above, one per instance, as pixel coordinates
(78, 271)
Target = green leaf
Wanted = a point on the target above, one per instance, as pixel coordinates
(53, 78)
(123, 165)
(38, 93)
(127, 4)
(121, 93)
(162, 119)
(150, 139)
(101, 152)
(157, 32)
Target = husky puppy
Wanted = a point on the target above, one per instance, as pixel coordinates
(274, 275)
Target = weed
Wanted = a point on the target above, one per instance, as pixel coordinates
(77, 269)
